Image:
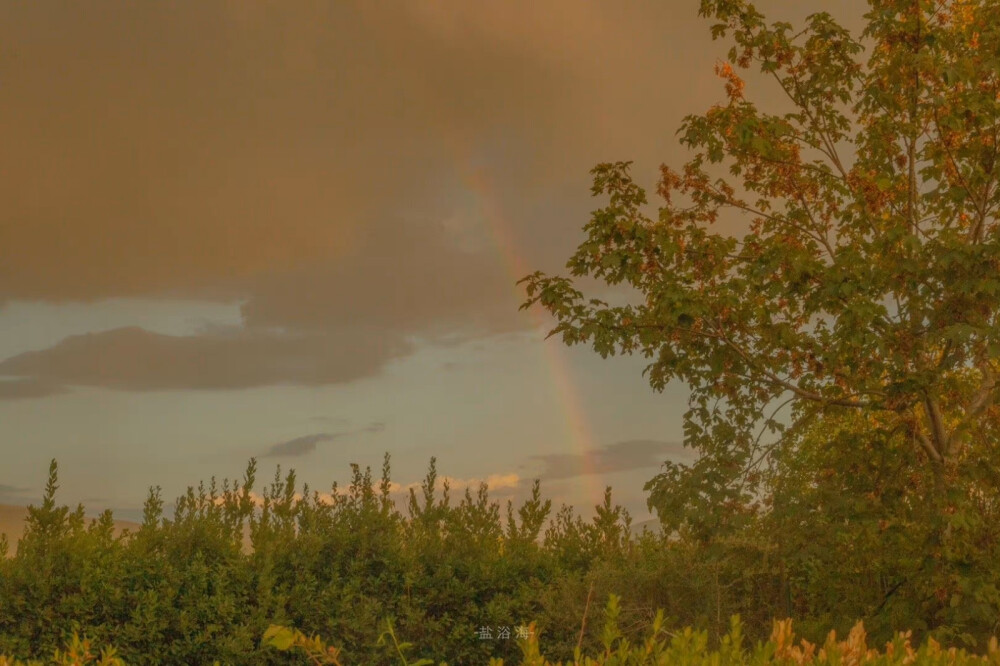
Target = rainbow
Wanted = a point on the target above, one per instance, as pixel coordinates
(578, 430)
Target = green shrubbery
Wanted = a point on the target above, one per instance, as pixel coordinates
(688, 647)
(77, 653)
(185, 590)
(659, 648)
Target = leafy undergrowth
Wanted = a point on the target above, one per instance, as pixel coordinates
(187, 591)
(686, 647)
(77, 653)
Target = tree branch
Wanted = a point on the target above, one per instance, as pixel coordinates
(778, 381)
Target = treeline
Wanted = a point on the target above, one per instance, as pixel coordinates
(184, 590)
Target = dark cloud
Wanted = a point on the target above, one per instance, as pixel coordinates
(378, 167)
(429, 289)
(10, 494)
(183, 150)
(618, 457)
(300, 446)
(135, 359)
(14, 389)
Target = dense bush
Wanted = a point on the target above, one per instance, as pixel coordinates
(187, 590)
(659, 648)
(689, 647)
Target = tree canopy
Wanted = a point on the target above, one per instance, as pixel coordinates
(866, 277)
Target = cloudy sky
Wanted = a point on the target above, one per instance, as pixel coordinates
(292, 231)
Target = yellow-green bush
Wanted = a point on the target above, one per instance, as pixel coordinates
(661, 647)
(186, 591)
(690, 648)
(77, 653)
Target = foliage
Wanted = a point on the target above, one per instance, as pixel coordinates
(869, 277)
(189, 590)
(186, 590)
(688, 646)
(77, 653)
(842, 348)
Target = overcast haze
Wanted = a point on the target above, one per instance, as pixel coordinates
(292, 231)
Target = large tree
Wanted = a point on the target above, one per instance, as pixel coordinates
(866, 277)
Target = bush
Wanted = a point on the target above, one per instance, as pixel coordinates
(189, 590)
(690, 647)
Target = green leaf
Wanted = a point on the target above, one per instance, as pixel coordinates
(279, 637)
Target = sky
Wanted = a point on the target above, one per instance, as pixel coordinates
(292, 231)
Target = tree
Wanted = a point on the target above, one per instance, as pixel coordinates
(868, 278)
